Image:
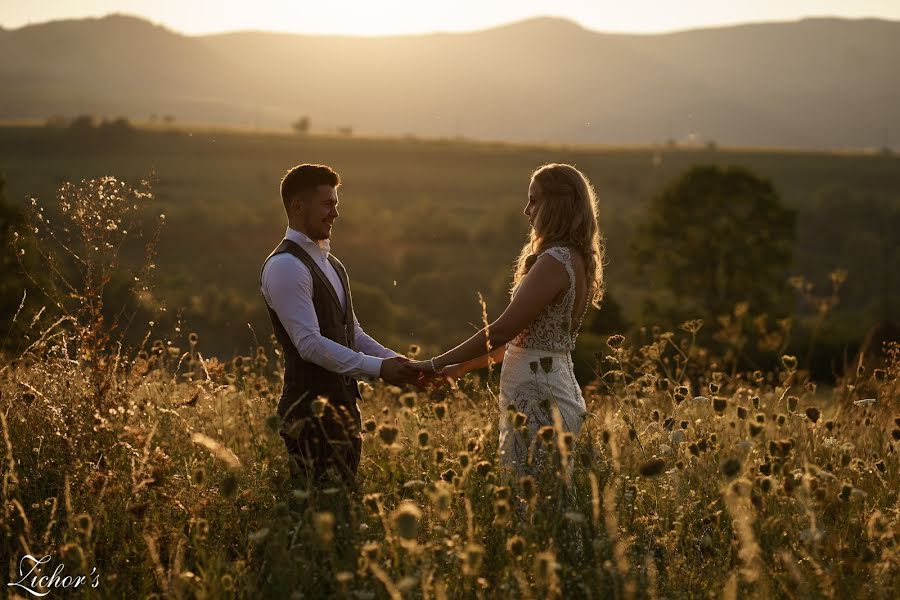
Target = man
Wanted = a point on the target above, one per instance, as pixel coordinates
(307, 293)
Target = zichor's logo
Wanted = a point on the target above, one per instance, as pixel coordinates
(31, 580)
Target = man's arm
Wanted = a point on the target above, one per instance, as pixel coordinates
(368, 345)
(287, 287)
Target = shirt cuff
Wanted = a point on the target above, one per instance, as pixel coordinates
(372, 366)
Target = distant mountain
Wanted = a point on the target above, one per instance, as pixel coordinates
(810, 83)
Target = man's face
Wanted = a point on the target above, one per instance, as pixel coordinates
(317, 211)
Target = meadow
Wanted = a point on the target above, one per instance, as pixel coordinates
(156, 468)
(426, 225)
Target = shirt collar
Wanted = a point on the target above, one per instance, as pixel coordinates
(323, 247)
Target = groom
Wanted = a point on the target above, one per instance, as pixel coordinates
(307, 293)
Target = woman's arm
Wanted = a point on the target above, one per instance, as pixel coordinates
(544, 282)
(480, 362)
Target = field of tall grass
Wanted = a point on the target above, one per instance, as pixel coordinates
(157, 471)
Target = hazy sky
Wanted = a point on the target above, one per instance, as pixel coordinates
(384, 17)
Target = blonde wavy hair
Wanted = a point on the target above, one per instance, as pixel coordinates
(567, 216)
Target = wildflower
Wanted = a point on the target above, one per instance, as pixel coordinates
(692, 326)
(323, 525)
(846, 490)
(516, 546)
(730, 467)
(229, 485)
(371, 550)
(546, 433)
(652, 467)
(388, 434)
(440, 495)
(615, 341)
(719, 405)
(372, 502)
(406, 522)
(408, 399)
(501, 512)
(519, 420)
(424, 438)
(545, 568)
(318, 406)
(527, 487)
(198, 477)
(85, 524)
(472, 558)
(812, 413)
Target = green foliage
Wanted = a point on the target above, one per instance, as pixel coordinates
(713, 237)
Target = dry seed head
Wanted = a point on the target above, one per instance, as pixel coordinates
(406, 521)
(527, 487)
(652, 467)
(318, 406)
(372, 502)
(615, 341)
(408, 399)
(812, 413)
(463, 459)
(424, 438)
(388, 434)
(198, 477)
(370, 425)
(792, 403)
(440, 409)
(545, 568)
(85, 524)
(473, 555)
(730, 467)
(229, 485)
(520, 420)
(516, 545)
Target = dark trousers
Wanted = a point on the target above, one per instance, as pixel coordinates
(324, 450)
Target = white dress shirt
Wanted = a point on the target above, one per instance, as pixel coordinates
(287, 287)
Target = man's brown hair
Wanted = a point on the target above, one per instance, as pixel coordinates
(306, 178)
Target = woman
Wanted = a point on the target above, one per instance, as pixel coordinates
(558, 273)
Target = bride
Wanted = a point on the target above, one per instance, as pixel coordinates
(558, 274)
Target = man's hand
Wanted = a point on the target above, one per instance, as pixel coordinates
(397, 371)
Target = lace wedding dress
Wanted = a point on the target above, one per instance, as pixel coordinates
(537, 374)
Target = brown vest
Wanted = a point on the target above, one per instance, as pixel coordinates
(303, 380)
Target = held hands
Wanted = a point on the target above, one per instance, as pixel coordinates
(397, 371)
(448, 374)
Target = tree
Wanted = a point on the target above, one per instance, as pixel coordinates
(301, 125)
(715, 237)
